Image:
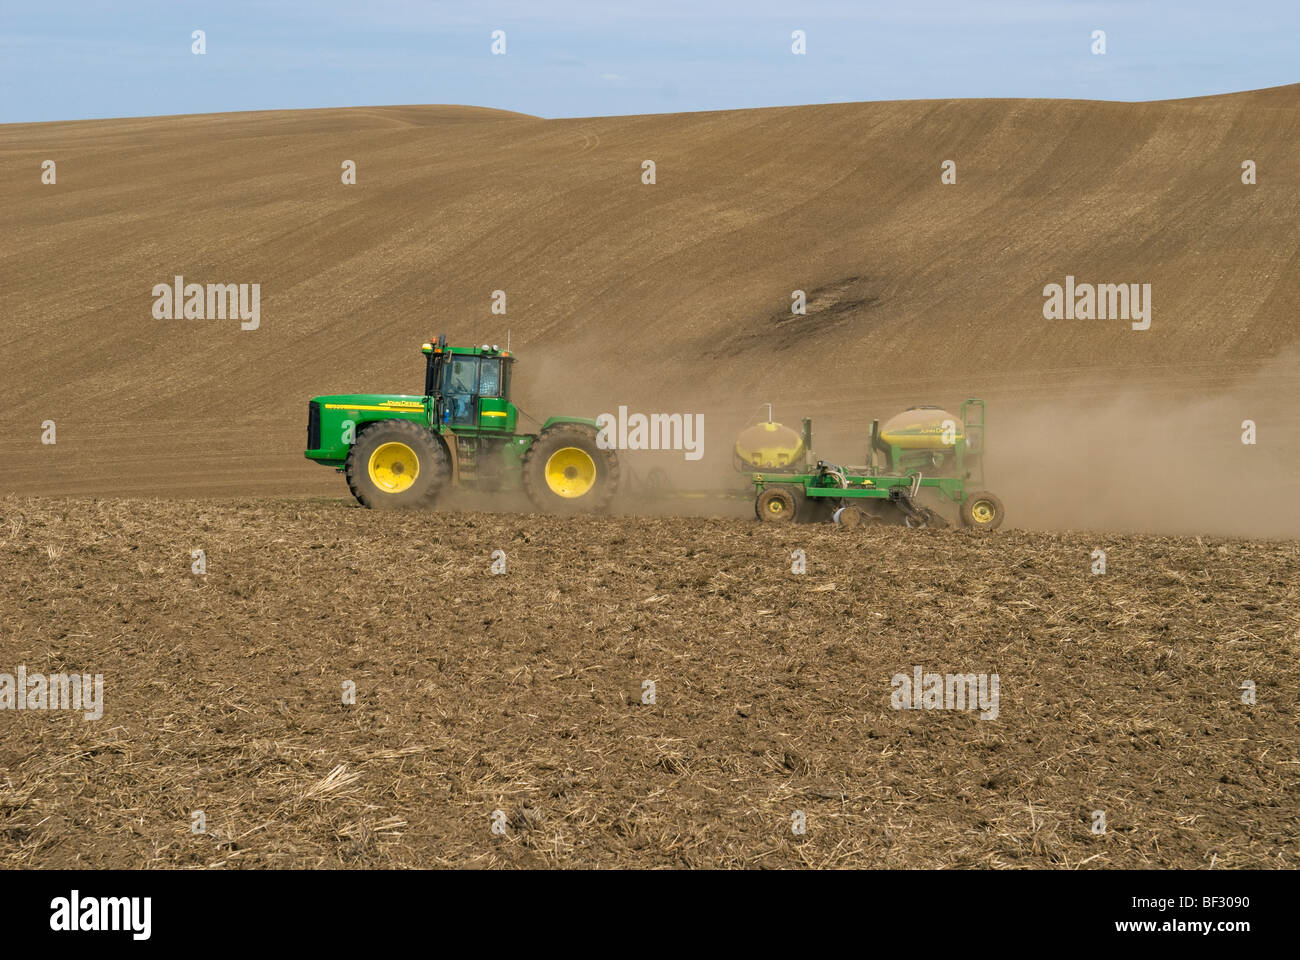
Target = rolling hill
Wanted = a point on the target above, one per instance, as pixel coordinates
(675, 296)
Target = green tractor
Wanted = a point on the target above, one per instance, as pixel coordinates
(402, 451)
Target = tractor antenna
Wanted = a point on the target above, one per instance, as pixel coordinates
(769, 413)
(507, 339)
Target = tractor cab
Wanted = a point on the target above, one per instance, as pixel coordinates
(469, 387)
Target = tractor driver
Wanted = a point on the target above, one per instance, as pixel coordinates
(459, 390)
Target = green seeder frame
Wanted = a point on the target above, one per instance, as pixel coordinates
(891, 472)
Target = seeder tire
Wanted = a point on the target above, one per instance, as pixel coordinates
(776, 504)
(982, 511)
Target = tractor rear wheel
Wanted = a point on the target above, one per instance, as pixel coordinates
(396, 463)
(982, 511)
(566, 471)
(776, 504)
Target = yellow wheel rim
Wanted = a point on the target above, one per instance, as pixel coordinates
(775, 506)
(570, 472)
(982, 511)
(394, 467)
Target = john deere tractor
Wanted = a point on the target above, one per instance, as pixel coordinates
(402, 450)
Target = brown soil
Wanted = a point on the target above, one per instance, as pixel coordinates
(520, 693)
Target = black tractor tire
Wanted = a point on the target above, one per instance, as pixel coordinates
(982, 511)
(388, 452)
(776, 504)
(566, 471)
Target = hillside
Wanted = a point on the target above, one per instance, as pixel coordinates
(674, 296)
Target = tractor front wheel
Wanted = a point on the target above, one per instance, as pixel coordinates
(396, 463)
(983, 512)
(566, 471)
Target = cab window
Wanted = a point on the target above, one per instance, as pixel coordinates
(489, 379)
(460, 376)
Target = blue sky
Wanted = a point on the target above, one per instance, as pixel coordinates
(74, 60)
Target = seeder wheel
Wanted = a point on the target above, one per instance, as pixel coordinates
(982, 511)
(849, 517)
(775, 505)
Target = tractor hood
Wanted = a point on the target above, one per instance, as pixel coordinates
(371, 402)
(334, 421)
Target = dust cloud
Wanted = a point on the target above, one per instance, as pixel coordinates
(1156, 461)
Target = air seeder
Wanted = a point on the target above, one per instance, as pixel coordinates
(402, 451)
(923, 448)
